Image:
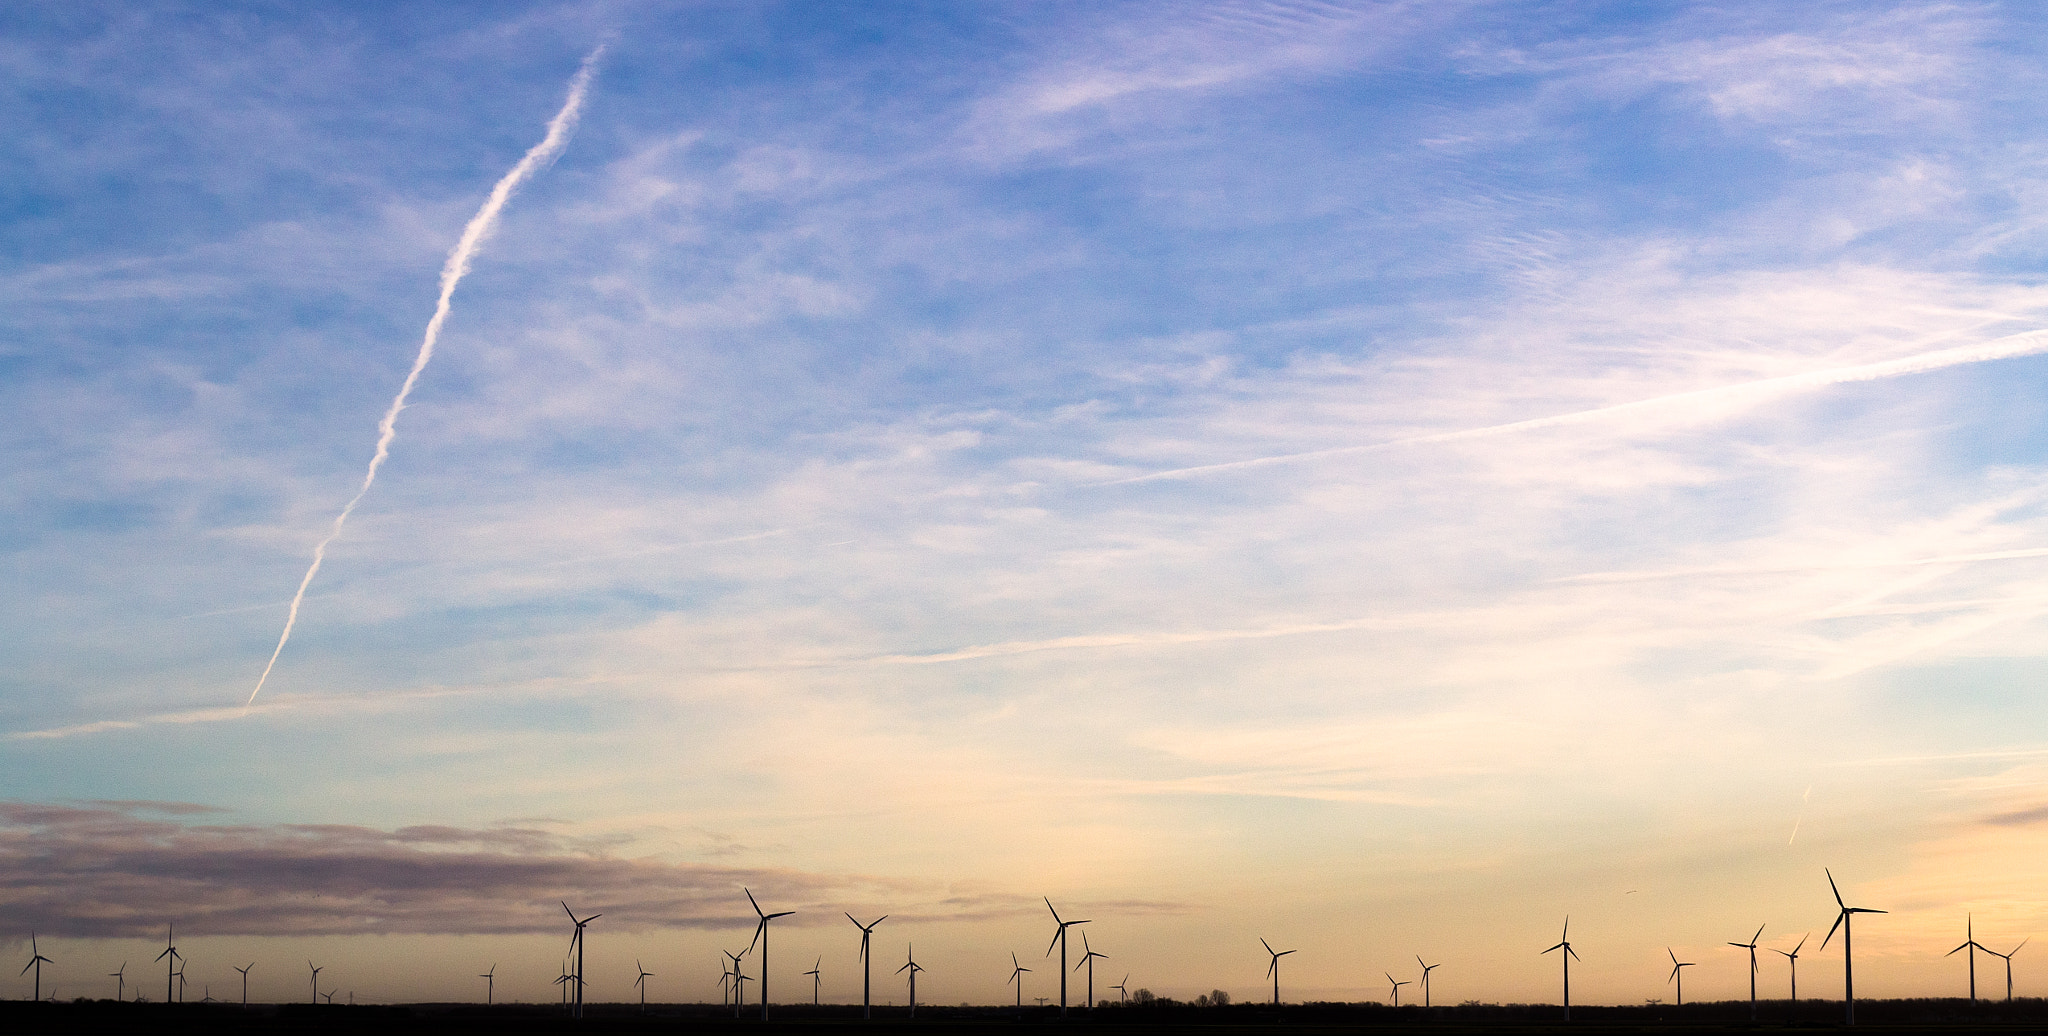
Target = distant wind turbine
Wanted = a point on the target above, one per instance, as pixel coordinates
(1059, 938)
(576, 942)
(1848, 961)
(1273, 967)
(1426, 969)
(1678, 974)
(315, 982)
(1397, 983)
(866, 964)
(171, 966)
(490, 983)
(36, 961)
(815, 979)
(913, 967)
(1969, 943)
(1088, 956)
(245, 982)
(1792, 958)
(120, 981)
(1017, 973)
(761, 932)
(1751, 947)
(1564, 943)
(739, 979)
(2007, 957)
(1121, 992)
(642, 982)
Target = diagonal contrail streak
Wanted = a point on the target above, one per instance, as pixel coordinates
(2029, 343)
(473, 235)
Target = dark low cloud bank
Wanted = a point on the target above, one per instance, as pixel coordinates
(126, 869)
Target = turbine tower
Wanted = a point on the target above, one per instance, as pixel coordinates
(1848, 961)
(1792, 958)
(490, 983)
(1678, 974)
(739, 980)
(1088, 956)
(576, 943)
(1273, 968)
(37, 961)
(1059, 939)
(1564, 942)
(1426, 969)
(120, 981)
(866, 965)
(1751, 947)
(1017, 972)
(815, 979)
(171, 967)
(1397, 987)
(913, 967)
(642, 982)
(1121, 992)
(2007, 957)
(315, 982)
(245, 982)
(1969, 943)
(761, 932)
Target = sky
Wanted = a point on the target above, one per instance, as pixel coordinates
(1379, 478)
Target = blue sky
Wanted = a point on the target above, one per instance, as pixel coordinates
(1377, 477)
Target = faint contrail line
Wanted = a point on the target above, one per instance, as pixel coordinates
(2027, 343)
(452, 271)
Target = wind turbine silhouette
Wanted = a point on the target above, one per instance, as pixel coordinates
(815, 979)
(315, 982)
(330, 996)
(866, 965)
(2007, 957)
(1397, 987)
(1273, 967)
(1678, 975)
(761, 932)
(245, 982)
(1969, 943)
(739, 980)
(1121, 992)
(1564, 943)
(120, 981)
(1792, 958)
(1017, 972)
(1088, 956)
(171, 968)
(37, 961)
(1060, 938)
(1426, 969)
(490, 983)
(1848, 962)
(1751, 947)
(913, 967)
(642, 983)
(576, 943)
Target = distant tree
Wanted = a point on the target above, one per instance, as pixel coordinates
(1219, 998)
(1143, 996)
(1202, 1001)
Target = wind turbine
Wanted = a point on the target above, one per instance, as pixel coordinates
(1060, 937)
(330, 996)
(1564, 943)
(181, 980)
(1121, 992)
(815, 979)
(1088, 956)
(171, 968)
(1751, 947)
(761, 932)
(1969, 943)
(1678, 974)
(1426, 969)
(315, 982)
(2007, 957)
(1792, 958)
(1273, 968)
(739, 989)
(1842, 922)
(913, 967)
(642, 983)
(1017, 972)
(866, 965)
(245, 982)
(120, 981)
(490, 983)
(37, 961)
(1397, 987)
(576, 943)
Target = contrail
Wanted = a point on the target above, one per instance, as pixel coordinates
(452, 271)
(2028, 343)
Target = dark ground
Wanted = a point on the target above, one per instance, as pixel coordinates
(1894, 1016)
